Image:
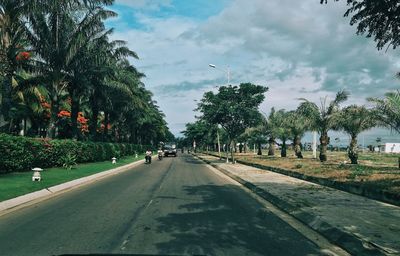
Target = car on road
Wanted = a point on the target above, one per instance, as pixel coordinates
(170, 150)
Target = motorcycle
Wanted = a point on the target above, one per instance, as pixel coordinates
(148, 159)
(160, 155)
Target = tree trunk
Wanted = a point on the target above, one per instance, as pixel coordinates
(106, 121)
(297, 147)
(94, 117)
(54, 109)
(24, 127)
(271, 148)
(353, 151)
(324, 140)
(231, 147)
(284, 149)
(75, 104)
(399, 162)
(6, 103)
(259, 152)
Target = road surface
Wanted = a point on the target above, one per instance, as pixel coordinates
(177, 206)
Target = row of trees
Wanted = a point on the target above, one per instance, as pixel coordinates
(237, 114)
(62, 76)
(375, 19)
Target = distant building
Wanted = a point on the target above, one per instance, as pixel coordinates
(390, 148)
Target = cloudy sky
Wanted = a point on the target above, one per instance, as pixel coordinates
(299, 49)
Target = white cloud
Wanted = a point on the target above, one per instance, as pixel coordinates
(145, 4)
(300, 49)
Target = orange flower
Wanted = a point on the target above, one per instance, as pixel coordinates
(84, 128)
(82, 120)
(64, 113)
(45, 105)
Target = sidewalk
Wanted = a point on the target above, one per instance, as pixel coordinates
(359, 225)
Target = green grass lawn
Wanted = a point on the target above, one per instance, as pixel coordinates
(20, 183)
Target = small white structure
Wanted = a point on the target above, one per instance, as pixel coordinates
(36, 174)
(136, 155)
(392, 148)
(114, 160)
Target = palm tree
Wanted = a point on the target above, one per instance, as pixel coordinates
(12, 45)
(258, 134)
(282, 130)
(274, 123)
(323, 118)
(57, 34)
(298, 125)
(387, 111)
(354, 120)
(110, 74)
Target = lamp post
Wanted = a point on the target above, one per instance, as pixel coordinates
(227, 71)
(314, 147)
(228, 74)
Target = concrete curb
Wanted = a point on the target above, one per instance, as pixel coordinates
(17, 202)
(349, 242)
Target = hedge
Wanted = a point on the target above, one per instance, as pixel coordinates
(23, 153)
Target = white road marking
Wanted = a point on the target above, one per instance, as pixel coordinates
(151, 201)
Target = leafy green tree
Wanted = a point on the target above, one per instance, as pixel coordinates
(199, 132)
(353, 120)
(323, 118)
(235, 108)
(376, 19)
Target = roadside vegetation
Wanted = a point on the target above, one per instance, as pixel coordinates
(65, 81)
(20, 183)
(376, 171)
(284, 129)
(62, 76)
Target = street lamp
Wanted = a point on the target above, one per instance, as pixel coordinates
(228, 73)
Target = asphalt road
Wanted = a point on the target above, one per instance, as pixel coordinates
(177, 206)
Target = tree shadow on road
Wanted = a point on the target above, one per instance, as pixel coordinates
(226, 221)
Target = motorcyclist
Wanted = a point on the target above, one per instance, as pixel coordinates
(160, 153)
(148, 156)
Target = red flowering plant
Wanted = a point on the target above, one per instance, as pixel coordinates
(64, 114)
(83, 123)
(23, 56)
(102, 127)
(45, 110)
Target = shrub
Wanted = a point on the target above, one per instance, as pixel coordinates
(23, 153)
(69, 161)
